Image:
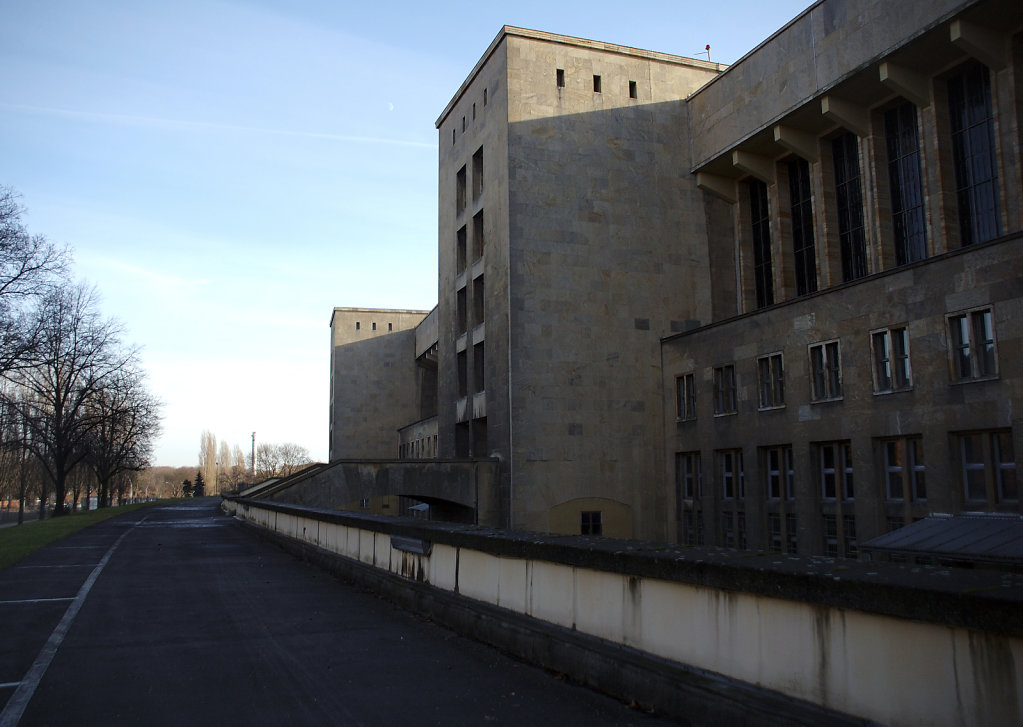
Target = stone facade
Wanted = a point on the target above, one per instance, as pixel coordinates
(867, 370)
(620, 231)
(374, 387)
(563, 216)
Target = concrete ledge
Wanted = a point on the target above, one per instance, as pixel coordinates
(983, 600)
(693, 696)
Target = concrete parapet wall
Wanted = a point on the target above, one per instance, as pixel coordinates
(782, 640)
(467, 485)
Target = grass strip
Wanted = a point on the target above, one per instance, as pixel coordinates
(19, 541)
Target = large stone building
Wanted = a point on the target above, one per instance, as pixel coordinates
(684, 302)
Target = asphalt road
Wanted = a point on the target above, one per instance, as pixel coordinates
(176, 615)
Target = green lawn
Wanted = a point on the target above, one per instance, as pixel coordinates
(18, 541)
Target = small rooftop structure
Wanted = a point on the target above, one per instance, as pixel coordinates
(973, 537)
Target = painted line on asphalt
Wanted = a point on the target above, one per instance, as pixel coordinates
(16, 705)
(9, 685)
(70, 565)
(36, 600)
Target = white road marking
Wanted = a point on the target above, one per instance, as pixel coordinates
(36, 600)
(16, 705)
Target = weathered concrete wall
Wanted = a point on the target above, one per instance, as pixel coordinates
(374, 383)
(882, 642)
(454, 489)
(583, 199)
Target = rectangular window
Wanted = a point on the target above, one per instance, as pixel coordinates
(596, 84)
(692, 522)
(632, 90)
(733, 486)
(779, 473)
(760, 224)
(561, 77)
(480, 447)
(902, 139)
(724, 390)
(772, 381)
(463, 373)
(830, 536)
(478, 368)
(988, 465)
(801, 200)
(685, 397)
(484, 97)
(891, 360)
(825, 371)
(478, 305)
(474, 112)
(836, 473)
(849, 202)
(591, 523)
(688, 475)
(904, 469)
(477, 173)
(460, 250)
(357, 325)
(972, 345)
(461, 312)
(460, 191)
(973, 153)
(477, 236)
(374, 325)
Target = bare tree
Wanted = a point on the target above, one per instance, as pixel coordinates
(76, 356)
(127, 422)
(30, 268)
(280, 460)
(293, 457)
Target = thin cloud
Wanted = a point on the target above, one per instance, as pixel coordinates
(163, 123)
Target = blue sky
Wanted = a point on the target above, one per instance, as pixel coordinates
(228, 172)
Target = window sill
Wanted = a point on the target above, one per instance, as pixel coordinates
(778, 407)
(901, 390)
(725, 414)
(828, 400)
(979, 379)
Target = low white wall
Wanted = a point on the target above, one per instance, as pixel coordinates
(891, 670)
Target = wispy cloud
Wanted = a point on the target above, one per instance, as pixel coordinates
(198, 126)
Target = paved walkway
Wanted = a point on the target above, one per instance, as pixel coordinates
(176, 615)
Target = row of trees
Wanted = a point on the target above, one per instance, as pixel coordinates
(228, 467)
(73, 396)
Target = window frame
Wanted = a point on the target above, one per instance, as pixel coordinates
(829, 374)
(975, 166)
(978, 365)
(685, 397)
(910, 469)
(726, 398)
(841, 470)
(689, 475)
(771, 391)
(906, 182)
(890, 358)
(731, 469)
(993, 463)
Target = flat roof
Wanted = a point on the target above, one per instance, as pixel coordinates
(596, 45)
